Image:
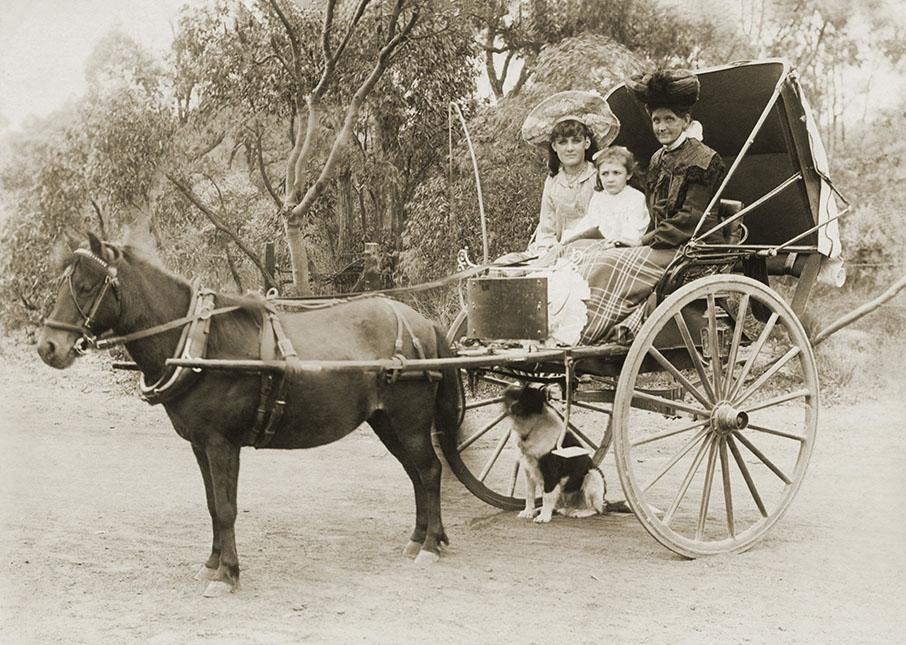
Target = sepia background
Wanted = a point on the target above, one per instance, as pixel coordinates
(171, 124)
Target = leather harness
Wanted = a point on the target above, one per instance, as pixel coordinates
(196, 325)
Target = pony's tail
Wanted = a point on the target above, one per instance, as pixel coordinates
(449, 404)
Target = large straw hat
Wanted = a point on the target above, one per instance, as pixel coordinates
(589, 108)
(676, 89)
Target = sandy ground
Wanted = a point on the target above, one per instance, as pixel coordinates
(103, 525)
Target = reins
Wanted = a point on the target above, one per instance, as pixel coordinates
(113, 341)
(471, 270)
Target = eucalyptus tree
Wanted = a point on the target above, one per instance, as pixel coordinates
(92, 165)
(327, 132)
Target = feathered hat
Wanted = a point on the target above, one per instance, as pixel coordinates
(589, 108)
(676, 89)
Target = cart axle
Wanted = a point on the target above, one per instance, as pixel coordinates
(725, 419)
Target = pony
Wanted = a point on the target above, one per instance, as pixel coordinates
(118, 289)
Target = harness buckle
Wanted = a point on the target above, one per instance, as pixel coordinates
(83, 344)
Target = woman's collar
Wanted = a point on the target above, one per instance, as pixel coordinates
(680, 140)
(587, 171)
(693, 131)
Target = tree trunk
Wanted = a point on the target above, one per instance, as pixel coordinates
(298, 256)
(345, 214)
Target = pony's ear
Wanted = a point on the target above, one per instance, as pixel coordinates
(111, 253)
(103, 250)
(96, 246)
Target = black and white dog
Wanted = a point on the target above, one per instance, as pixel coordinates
(572, 486)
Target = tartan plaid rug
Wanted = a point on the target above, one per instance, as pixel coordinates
(620, 279)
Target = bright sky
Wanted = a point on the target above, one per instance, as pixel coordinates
(44, 45)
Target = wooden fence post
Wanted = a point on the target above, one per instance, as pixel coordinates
(270, 265)
(371, 274)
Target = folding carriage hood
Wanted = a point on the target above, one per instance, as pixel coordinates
(757, 109)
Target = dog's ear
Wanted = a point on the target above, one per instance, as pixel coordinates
(533, 400)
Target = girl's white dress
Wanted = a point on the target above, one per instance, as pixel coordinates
(622, 217)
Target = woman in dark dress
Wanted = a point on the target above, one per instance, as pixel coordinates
(684, 173)
(681, 180)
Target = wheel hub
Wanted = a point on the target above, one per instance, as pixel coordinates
(725, 418)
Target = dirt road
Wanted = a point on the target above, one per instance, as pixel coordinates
(103, 524)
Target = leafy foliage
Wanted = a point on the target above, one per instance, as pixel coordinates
(445, 217)
(870, 171)
(194, 147)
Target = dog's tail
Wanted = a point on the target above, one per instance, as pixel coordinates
(449, 404)
(604, 506)
(594, 488)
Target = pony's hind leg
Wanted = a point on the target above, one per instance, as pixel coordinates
(411, 426)
(383, 428)
(223, 464)
(209, 568)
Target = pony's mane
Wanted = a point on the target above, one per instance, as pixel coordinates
(250, 301)
(145, 256)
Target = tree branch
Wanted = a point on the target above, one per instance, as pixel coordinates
(220, 225)
(279, 55)
(357, 16)
(208, 147)
(234, 271)
(490, 70)
(315, 190)
(262, 168)
(100, 216)
(293, 40)
(523, 75)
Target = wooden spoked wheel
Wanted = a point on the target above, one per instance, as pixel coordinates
(483, 453)
(717, 473)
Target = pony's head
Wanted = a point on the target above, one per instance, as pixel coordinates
(87, 303)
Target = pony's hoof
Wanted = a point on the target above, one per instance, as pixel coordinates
(219, 589)
(412, 548)
(206, 573)
(426, 558)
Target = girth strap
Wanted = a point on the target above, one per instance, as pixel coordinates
(393, 375)
(272, 397)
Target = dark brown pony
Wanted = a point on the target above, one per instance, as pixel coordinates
(108, 288)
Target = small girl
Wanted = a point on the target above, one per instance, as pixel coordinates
(616, 212)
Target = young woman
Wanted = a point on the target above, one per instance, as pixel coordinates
(571, 126)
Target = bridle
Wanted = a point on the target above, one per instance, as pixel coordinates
(87, 337)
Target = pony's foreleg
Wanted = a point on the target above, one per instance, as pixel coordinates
(223, 463)
(209, 569)
(383, 428)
